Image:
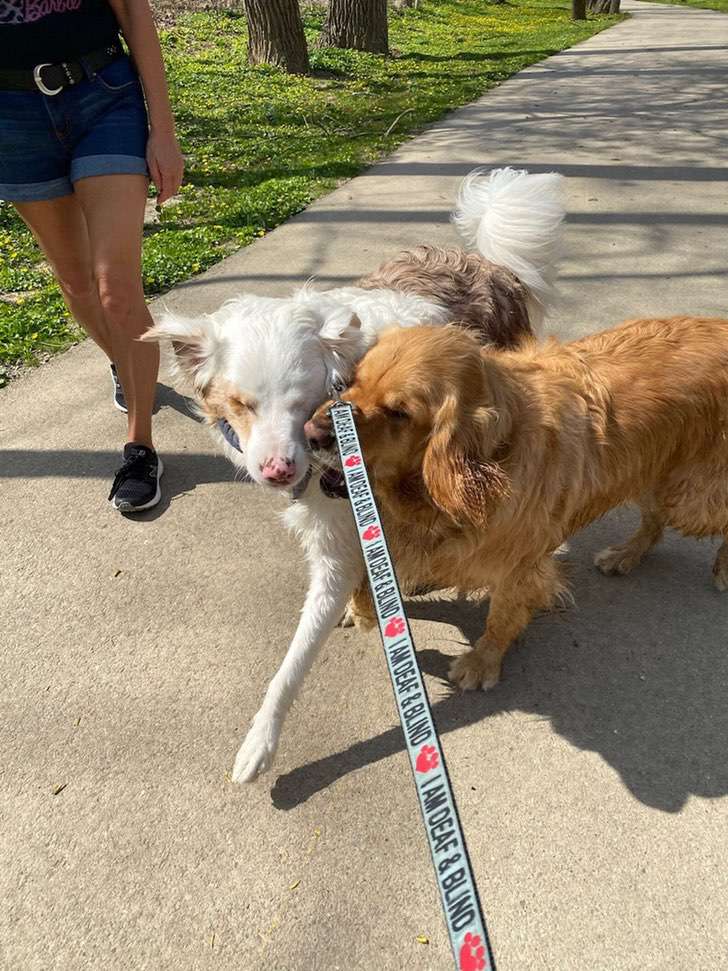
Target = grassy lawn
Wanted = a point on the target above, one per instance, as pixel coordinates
(261, 145)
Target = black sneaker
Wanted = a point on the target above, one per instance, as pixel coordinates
(119, 399)
(136, 484)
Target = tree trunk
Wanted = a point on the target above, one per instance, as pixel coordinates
(275, 35)
(603, 6)
(357, 24)
(578, 9)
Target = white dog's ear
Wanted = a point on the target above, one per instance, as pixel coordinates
(196, 344)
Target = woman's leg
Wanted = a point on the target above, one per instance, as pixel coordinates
(113, 206)
(59, 227)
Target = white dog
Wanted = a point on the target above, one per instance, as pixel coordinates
(261, 366)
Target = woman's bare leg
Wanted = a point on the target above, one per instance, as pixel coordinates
(92, 240)
(113, 206)
(59, 227)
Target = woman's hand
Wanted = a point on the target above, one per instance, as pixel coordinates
(164, 158)
(166, 164)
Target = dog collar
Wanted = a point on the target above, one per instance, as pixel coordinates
(332, 482)
(229, 434)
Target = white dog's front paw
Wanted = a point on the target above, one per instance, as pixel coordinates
(255, 756)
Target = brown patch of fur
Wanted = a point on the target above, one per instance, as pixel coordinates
(505, 455)
(481, 295)
(221, 400)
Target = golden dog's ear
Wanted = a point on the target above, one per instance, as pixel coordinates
(457, 468)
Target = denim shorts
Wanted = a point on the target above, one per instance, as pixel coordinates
(97, 127)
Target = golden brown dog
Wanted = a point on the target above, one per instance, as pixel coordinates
(484, 462)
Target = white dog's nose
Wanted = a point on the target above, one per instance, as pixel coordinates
(278, 469)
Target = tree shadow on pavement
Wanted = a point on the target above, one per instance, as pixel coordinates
(477, 56)
(637, 673)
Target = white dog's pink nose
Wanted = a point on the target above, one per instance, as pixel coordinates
(278, 469)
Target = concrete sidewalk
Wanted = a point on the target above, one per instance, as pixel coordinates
(592, 782)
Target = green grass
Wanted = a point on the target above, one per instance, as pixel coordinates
(261, 145)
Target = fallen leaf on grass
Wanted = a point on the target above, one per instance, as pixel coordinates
(59, 788)
(421, 939)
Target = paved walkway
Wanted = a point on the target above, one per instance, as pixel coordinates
(592, 783)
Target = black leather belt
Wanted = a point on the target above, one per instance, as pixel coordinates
(51, 79)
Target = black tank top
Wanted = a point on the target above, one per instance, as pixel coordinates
(50, 31)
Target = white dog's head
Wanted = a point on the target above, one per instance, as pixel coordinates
(264, 366)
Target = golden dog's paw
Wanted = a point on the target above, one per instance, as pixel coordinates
(365, 622)
(476, 669)
(615, 560)
(720, 573)
(354, 618)
(348, 618)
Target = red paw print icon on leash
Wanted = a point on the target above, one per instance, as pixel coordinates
(472, 953)
(352, 461)
(427, 758)
(372, 532)
(395, 627)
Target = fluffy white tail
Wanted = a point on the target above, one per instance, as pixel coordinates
(514, 219)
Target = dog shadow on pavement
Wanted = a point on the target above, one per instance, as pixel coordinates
(636, 672)
(168, 397)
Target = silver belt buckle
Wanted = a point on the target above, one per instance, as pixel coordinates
(39, 81)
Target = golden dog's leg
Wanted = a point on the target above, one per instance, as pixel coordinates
(720, 567)
(359, 611)
(512, 604)
(623, 559)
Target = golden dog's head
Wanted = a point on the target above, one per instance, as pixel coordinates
(430, 417)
